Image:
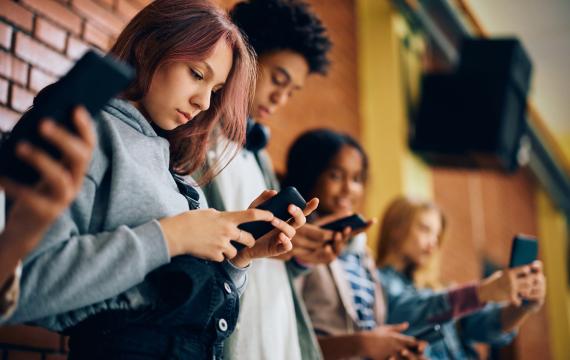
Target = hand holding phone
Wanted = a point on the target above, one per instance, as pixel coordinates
(92, 82)
(278, 205)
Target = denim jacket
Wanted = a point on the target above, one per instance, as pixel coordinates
(463, 320)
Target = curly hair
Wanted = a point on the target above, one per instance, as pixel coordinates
(271, 25)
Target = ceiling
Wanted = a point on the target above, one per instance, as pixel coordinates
(544, 27)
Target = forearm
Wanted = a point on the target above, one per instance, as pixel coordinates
(513, 317)
(426, 306)
(14, 248)
(342, 346)
(83, 270)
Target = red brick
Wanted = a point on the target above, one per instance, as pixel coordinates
(24, 355)
(13, 69)
(128, 9)
(76, 48)
(40, 55)
(5, 35)
(57, 12)
(50, 34)
(16, 14)
(30, 336)
(3, 91)
(96, 37)
(8, 119)
(21, 98)
(110, 22)
(39, 79)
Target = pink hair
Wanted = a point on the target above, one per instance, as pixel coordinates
(188, 30)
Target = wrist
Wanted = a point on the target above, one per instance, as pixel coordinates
(483, 292)
(171, 245)
(362, 343)
(242, 259)
(19, 242)
(489, 289)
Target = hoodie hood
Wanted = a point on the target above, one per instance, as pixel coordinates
(126, 112)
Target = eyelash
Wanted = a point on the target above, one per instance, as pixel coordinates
(277, 81)
(196, 74)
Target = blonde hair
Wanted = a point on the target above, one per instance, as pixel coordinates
(395, 227)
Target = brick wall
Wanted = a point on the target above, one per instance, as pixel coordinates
(39, 42)
(41, 39)
(484, 211)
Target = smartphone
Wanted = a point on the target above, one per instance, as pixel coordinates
(430, 333)
(92, 82)
(355, 222)
(278, 205)
(524, 250)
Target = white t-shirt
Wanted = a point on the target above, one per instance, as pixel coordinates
(267, 326)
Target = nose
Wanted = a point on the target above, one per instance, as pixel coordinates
(279, 97)
(201, 100)
(432, 243)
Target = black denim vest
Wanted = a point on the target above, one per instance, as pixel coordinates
(196, 311)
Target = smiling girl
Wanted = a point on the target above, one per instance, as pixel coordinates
(344, 298)
(129, 271)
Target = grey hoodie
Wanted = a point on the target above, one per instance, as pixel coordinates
(95, 257)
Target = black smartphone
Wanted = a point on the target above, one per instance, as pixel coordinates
(524, 250)
(92, 82)
(430, 333)
(355, 222)
(278, 205)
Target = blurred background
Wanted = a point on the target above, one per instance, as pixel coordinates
(381, 48)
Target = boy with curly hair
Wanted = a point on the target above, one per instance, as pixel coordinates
(291, 43)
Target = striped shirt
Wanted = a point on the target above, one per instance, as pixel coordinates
(362, 285)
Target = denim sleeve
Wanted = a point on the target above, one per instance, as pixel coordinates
(423, 307)
(485, 326)
(69, 271)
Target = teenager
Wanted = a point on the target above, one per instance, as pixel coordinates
(291, 44)
(411, 232)
(344, 298)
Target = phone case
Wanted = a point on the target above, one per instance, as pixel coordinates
(355, 222)
(92, 82)
(524, 250)
(278, 206)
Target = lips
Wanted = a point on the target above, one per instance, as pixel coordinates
(263, 111)
(344, 203)
(184, 116)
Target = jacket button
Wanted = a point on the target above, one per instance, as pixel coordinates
(228, 288)
(222, 324)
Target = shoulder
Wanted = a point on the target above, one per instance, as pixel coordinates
(392, 281)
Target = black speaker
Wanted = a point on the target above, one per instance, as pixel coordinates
(475, 117)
